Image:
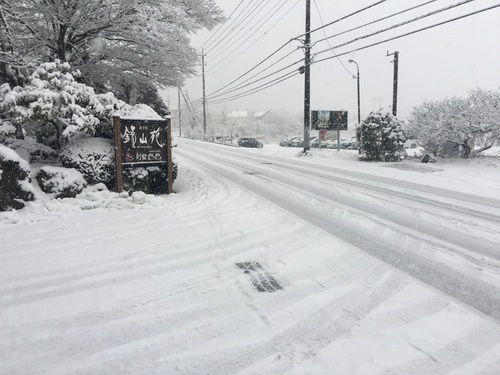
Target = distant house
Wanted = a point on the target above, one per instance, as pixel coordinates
(238, 114)
(248, 115)
(250, 121)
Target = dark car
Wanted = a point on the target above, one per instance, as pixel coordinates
(249, 142)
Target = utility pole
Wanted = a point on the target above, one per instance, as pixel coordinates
(307, 77)
(204, 100)
(179, 104)
(395, 83)
(189, 107)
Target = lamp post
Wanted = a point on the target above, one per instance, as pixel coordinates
(359, 104)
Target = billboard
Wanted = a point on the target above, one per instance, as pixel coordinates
(329, 120)
(143, 142)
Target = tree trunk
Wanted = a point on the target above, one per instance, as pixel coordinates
(465, 151)
(483, 149)
(58, 135)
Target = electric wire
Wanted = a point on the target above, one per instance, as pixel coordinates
(437, 11)
(258, 88)
(342, 18)
(376, 21)
(251, 45)
(412, 32)
(273, 10)
(288, 42)
(367, 24)
(245, 19)
(324, 32)
(257, 80)
(290, 75)
(220, 27)
(230, 24)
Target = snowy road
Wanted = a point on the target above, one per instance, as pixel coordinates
(107, 284)
(444, 238)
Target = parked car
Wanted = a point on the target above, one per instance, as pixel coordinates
(249, 142)
(287, 142)
(332, 144)
(300, 142)
(315, 142)
(297, 142)
(348, 143)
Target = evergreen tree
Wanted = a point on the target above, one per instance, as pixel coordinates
(382, 137)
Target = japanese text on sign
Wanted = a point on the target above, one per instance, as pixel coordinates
(143, 141)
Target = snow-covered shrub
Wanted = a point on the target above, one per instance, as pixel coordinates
(150, 180)
(382, 137)
(92, 157)
(15, 186)
(60, 182)
(7, 129)
(53, 101)
(30, 150)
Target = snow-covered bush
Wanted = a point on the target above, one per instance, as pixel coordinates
(7, 129)
(150, 180)
(60, 182)
(53, 101)
(382, 137)
(92, 157)
(30, 150)
(15, 186)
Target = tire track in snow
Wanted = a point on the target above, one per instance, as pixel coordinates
(470, 290)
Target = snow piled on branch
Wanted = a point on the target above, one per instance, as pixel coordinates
(52, 95)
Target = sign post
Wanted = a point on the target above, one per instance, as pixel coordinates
(118, 152)
(142, 143)
(168, 130)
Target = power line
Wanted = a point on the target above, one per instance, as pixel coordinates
(258, 88)
(257, 80)
(265, 33)
(231, 23)
(376, 21)
(324, 32)
(291, 74)
(411, 32)
(248, 31)
(220, 27)
(288, 42)
(343, 18)
(397, 25)
(245, 17)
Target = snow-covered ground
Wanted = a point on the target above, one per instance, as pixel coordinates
(111, 284)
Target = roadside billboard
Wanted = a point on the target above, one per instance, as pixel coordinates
(329, 120)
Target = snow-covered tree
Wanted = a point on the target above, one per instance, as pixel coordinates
(53, 101)
(52, 97)
(458, 122)
(111, 42)
(382, 137)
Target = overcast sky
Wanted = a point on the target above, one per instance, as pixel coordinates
(444, 61)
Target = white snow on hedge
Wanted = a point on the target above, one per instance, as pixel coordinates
(6, 128)
(63, 178)
(8, 154)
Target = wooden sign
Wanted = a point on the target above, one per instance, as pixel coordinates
(142, 143)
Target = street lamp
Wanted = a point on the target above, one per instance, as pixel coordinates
(359, 104)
